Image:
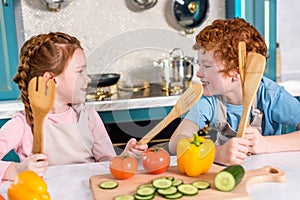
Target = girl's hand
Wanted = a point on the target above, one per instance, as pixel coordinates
(134, 149)
(258, 142)
(37, 163)
(234, 151)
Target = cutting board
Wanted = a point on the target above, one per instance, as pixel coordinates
(129, 186)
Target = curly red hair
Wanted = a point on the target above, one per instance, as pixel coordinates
(223, 36)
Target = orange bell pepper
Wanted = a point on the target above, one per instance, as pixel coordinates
(28, 186)
(195, 155)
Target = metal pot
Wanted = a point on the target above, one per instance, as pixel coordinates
(176, 69)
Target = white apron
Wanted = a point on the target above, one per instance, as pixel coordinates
(71, 142)
(224, 130)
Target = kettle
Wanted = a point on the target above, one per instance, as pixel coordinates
(177, 70)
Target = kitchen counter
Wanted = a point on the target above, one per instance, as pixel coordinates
(149, 98)
(72, 181)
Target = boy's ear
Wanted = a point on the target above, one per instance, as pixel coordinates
(235, 76)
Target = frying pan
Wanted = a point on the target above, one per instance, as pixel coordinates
(103, 80)
(190, 13)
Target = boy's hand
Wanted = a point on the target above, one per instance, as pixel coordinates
(234, 151)
(258, 143)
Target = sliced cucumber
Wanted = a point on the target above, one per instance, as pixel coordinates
(201, 185)
(162, 183)
(228, 178)
(171, 178)
(108, 185)
(124, 197)
(177, 182)
(145, 191)
(147, 185)
(187, 189)
(177, 195)
(168, 191)
(138, 197)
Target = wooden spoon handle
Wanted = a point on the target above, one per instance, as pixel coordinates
(38, 135)
(159, 127)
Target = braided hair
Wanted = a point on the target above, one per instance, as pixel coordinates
(223, 37)
(43, 53)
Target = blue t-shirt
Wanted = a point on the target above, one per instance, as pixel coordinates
(277, 105)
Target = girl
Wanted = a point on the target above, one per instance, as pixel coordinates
(74, 133)
(221, 105)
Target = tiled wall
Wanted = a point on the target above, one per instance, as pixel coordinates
(116, 36)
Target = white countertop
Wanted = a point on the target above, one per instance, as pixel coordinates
(9, 108)
(71, 182)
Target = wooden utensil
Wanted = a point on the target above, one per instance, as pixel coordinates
(129, 186)
(254, 69)
(184, 103)
(242, 58)
(41, 97)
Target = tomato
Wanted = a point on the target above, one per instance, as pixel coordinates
(156, 160)
(123, 166)
(1, 197)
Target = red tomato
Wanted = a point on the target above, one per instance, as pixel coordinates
(156, 160)
(1, 197)
(123, 166)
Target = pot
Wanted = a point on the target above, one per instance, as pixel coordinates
(103, 80)
(177, 69)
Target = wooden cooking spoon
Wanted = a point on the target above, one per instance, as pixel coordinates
(41, 97)
(254, 69)
(242, 58)
(184, 103)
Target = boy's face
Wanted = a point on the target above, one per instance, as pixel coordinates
(214, 82)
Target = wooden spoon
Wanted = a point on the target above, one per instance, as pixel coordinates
(242, 58)
(41, 97)
(184, 103)
(254, 69)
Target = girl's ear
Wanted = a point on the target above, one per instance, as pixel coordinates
(48, 76)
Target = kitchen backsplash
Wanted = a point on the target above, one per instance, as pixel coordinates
(116, 36)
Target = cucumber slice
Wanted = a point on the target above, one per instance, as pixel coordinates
(108, 185)
(228, 178)
(187, 189)
(124, 197)
(201, 185)
(177, 195)
(138, 197)
(177, 182)
(168, 191)
(146, 191)
(171, 178)
(162, 183)
(146, 185)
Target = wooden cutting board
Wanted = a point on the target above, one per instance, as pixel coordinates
(129, 186)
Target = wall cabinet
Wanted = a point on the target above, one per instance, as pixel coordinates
(8, 51)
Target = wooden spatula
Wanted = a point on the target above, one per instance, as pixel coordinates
(242, 58)
(184, 103)
(41, 97)
(254, 69)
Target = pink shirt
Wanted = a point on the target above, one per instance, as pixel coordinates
(16, 134)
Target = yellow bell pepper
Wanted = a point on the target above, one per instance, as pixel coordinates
(195, 155)
(28, 186)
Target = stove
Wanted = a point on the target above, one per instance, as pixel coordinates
(117, 91)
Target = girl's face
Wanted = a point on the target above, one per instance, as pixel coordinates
(214, 82)
(72, 83)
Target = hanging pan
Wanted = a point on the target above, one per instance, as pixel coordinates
(190, 13)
